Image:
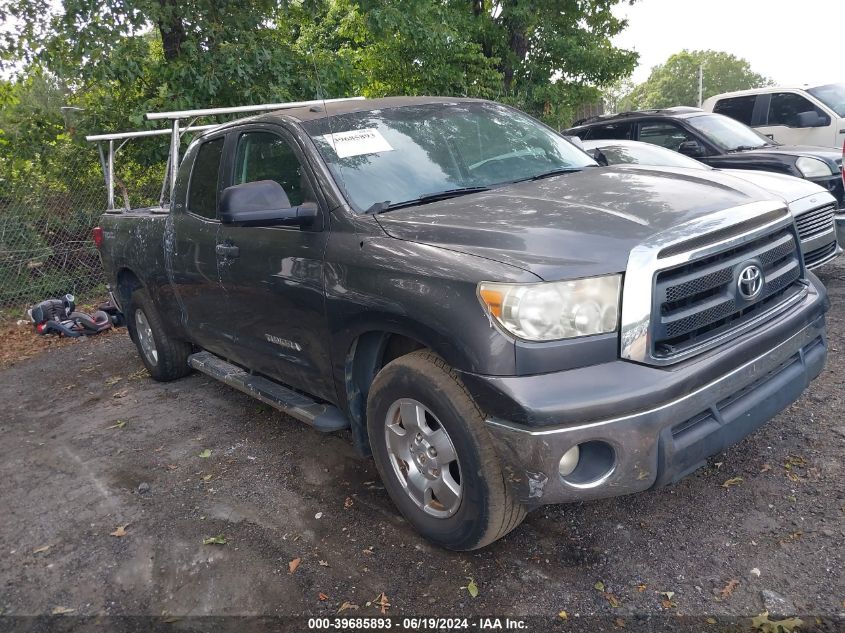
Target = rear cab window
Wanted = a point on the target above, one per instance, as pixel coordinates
(739, 108)
(204, 187)
(611, 131)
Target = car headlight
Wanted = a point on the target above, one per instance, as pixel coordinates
(813, 167)
(549, 311)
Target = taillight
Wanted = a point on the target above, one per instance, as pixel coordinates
(97, 234)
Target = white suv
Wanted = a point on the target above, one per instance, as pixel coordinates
(812, 115)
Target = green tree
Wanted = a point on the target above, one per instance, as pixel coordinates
(115, 60)
(614, 96)
(554, 55)
(152, 53)
(546, 56)
(676, 81)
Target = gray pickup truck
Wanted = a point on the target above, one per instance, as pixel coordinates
(497, 320)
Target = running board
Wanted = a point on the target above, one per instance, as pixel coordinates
(323, 417)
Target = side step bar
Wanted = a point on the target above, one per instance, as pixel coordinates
(323, 417)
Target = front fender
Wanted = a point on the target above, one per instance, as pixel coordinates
(425, 293)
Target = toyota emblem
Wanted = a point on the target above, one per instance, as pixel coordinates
(750, 282)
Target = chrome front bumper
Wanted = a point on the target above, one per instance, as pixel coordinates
(662, 443)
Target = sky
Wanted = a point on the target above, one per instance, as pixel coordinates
(792, 42)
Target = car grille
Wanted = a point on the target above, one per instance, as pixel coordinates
(820, 255)
(815, 222)
(700, 300)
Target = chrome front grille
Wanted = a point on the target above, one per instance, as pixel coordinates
(815, 222)
(685, 289)
(701, 300)
(819, 256)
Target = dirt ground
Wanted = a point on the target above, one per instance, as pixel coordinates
(110, 482)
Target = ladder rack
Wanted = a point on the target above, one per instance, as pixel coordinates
(175, 116)
(176, 132)
(107, 160)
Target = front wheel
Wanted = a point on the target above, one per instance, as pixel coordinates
(164, 357)
(435, 456)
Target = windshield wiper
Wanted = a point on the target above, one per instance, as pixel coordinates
(380, 207)
(449, 193)
(549, 174)
(745, 148)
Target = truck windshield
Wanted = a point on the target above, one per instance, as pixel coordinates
(728, 134)
(832, 95)
(398, 156)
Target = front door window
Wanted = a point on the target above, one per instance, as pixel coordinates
(665, 134)
(265, 156)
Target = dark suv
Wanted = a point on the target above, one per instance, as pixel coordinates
(718, 141)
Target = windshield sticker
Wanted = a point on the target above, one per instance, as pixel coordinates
(358, 142)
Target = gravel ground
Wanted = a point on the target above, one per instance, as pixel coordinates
(90, 443)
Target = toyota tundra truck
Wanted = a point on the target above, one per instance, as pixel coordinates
(499, 322)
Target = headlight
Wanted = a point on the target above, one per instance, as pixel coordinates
(813, 167)
(550, 311)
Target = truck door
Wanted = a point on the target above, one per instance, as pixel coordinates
(783, 124)
(191, 255)
(273, 276)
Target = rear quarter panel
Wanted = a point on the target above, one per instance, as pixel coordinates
(134, 241)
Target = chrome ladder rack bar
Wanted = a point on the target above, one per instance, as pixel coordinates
(118, 136)
(173, 159)
(261, 107)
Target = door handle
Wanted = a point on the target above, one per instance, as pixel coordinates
(228, 250)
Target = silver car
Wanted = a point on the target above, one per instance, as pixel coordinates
(812, 206)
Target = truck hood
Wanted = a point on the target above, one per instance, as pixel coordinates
(828, 154)
(776, 157)
(573, 225)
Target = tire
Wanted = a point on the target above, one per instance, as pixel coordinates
(421, 388)
(167, 358)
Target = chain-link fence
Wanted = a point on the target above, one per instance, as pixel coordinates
(48, 207)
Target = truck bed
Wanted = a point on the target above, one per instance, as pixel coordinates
(134, 240)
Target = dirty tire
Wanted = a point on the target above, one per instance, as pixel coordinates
(172, 354)
(488, 509)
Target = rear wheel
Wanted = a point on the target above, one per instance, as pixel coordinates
(164, 357)
(435, 455)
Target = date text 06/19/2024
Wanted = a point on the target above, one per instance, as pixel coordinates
(417, 624)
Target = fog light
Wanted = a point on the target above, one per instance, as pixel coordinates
(569, 461)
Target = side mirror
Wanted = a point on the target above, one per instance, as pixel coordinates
(811, 118)
(693, 149)
(597, 155)
(263, 203)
